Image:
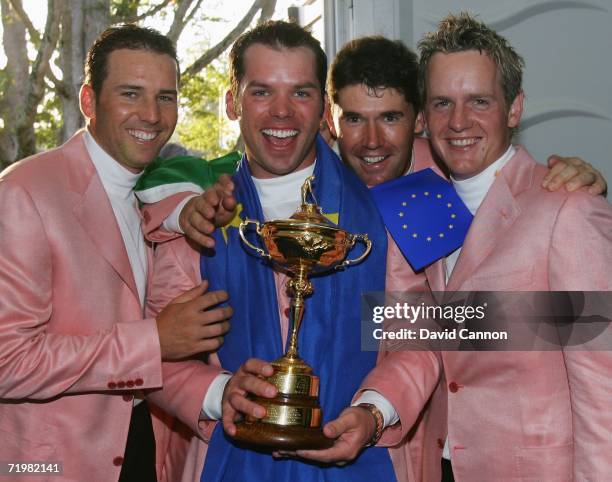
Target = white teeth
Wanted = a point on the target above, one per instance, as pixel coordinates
(280, 133)
(373, 159)
(143, 135)
(462, 142)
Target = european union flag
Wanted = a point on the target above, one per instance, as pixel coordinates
(425, 216)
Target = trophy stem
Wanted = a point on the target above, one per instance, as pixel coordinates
(296, 313)
(298, 287)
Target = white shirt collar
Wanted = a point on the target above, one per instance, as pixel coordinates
(473, 190)
(116, 179)
(281, 196)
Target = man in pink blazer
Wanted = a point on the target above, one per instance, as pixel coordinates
(77, 353)
(497, 415)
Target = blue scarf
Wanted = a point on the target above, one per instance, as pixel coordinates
(329, 338)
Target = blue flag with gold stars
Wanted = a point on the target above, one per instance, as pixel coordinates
(426, 217)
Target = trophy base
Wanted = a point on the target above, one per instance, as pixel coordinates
(280, 437)
(293, 417)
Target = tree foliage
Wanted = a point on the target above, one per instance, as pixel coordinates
(203, 126)
(39, 100)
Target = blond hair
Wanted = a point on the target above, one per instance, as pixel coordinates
(458, 33)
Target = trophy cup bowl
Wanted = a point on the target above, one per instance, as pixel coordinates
(306, 244)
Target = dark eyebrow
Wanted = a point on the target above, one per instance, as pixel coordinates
(129, 87)
(256, 84)
(263, 85)
(396, 113)
(348, 113)
(481, 96)
(307, 85)
(141, 88)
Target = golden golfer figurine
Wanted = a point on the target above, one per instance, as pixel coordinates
(307, 243)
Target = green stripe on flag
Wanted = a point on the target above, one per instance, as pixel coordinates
(164, 177)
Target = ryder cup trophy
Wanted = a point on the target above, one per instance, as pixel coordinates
(305, 244)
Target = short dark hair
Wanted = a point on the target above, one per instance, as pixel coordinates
(377, 63)
(278, 35)
(124, 36)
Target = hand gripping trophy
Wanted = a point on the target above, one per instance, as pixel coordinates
(305, 244)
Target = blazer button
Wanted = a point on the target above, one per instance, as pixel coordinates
(127, 397)
(453, 387)
(129, 383)
(440, 443)
(121, 384)
(139, 382)
(112, 385)
(117, 461)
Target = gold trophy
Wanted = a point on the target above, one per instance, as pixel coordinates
(305, 244)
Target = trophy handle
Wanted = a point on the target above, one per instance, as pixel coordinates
(368, 247)
(241, 229)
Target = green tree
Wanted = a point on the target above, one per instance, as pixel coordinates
(203, 126)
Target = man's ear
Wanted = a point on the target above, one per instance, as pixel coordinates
(230, 107)
(329, 119)
(516, 110)
(419, 123)
(87, 101)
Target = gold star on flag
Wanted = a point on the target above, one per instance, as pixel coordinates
(234, 222)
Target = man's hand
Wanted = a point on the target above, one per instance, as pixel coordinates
(190, 324)
(204, 213)
(573, 173)
(353, 429)
(246, 380)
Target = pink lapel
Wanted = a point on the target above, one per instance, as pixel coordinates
(94, 210)
(496, 214)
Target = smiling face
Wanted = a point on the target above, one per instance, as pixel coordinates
(279, 107)
(136, 111)
(375, 132)
(469, 121)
